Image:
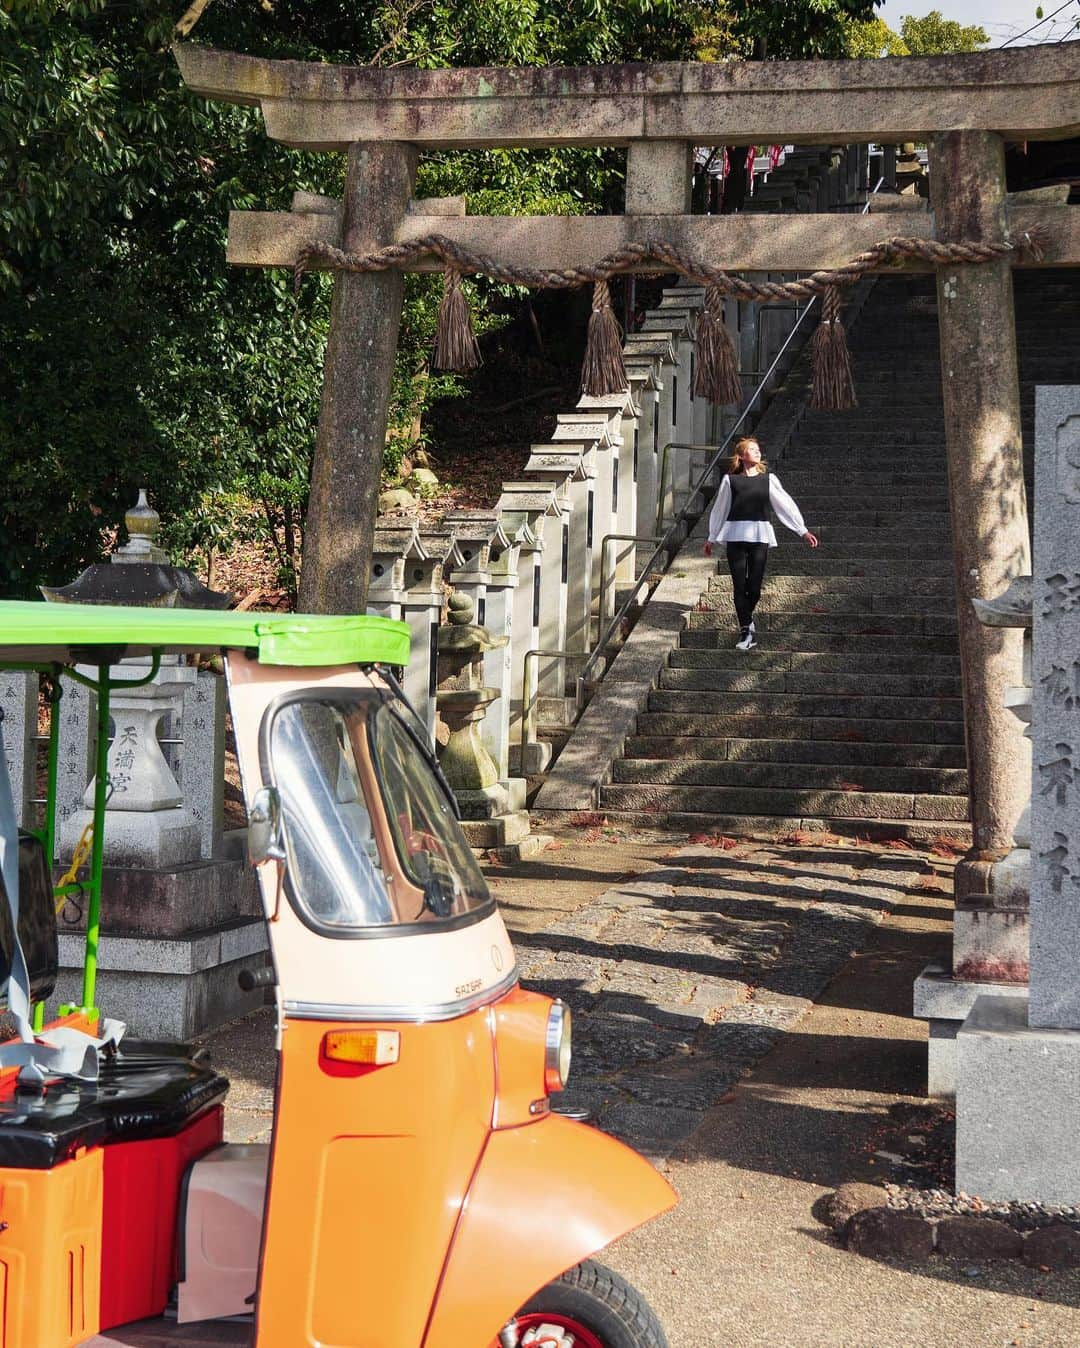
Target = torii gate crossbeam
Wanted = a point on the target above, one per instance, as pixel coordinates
(965, 106)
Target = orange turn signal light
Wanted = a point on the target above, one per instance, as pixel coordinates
(371, 1048)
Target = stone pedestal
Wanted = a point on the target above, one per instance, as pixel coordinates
(538, 515)
(1018, 1106)
(616, 494)
(572, 468)
(945, 1003)
(646, 380)
(678, 326)
(657, 346)
(599, 430)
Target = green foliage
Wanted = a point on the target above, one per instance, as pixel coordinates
(874, 38)
(934, 35)
(134, 356)
(813, 28)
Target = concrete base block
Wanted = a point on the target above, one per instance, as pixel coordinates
(533, 759)
(1017, 1106)
(169, 988)
(191, 898)
(501, 831)
(160, 838)
(945, 1001)
(990, 941)
(484, 803)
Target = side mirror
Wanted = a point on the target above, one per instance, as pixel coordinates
(265, 839)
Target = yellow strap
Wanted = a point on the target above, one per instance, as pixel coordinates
(78, 858)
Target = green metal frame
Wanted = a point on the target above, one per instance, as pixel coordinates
(103, 687)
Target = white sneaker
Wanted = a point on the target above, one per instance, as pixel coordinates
(746, 642)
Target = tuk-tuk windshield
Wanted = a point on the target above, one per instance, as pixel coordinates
(328, 755)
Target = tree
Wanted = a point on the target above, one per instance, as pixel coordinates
(874, 38)
(934, 35)
(133, 355)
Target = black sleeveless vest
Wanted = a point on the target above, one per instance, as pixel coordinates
(749, 497)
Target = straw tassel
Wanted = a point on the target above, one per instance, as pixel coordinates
(716, 378)
(603, 371)
(456, 347)
(834, 387)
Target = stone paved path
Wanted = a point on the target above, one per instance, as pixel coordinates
(682, 980)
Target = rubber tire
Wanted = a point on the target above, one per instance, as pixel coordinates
(604, 1303)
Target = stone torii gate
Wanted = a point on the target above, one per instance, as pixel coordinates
(966, 107)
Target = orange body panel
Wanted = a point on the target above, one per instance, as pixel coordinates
(50, 1253)
(546, 1196)
(520, 1025)
(369, 1170)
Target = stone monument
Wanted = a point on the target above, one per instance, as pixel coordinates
(1018, 1059)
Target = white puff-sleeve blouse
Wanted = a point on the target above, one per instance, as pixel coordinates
(721, 530)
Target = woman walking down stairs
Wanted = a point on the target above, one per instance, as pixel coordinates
(847, 715)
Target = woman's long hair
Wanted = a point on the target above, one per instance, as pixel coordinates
(735, 463)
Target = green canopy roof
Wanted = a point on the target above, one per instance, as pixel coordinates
(40, 633)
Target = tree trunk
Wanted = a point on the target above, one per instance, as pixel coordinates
(364, 320)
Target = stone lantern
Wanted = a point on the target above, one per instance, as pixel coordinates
(462, 700)
(180, 912)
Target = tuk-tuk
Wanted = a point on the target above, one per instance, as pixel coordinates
(420, 1191)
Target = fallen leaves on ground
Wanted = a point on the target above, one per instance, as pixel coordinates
(719, 840)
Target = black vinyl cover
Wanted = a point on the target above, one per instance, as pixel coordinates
(137, 1096)
(37, 923)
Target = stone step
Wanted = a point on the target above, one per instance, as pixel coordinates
(795, 601)
(857, 501)
(831, 587)
(796, 752)
(764, 801)
(883, 439)
(747, 725)
(791, 627)
(845, 777)
(815, 662)
(935, 537)
(810, 564)
(916, 832)
(864, 683)
(798, 474)
(719, 635)
(836, 517)
(885, 573)
(807, 706)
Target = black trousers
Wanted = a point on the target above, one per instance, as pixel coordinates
(747, 562)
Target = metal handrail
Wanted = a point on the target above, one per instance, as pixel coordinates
(662, 479)
(530, 696)
(619, 538)
(685, 513)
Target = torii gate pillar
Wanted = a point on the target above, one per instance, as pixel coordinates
(364, 319)
(987, 504)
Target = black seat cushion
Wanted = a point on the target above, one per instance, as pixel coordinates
(137, 1096)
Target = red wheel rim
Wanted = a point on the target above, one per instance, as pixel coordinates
(583, 1338)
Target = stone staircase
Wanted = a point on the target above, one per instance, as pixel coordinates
(848, 717)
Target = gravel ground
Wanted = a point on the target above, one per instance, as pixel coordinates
(708, 1033)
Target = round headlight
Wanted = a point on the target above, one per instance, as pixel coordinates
(557, 1048)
